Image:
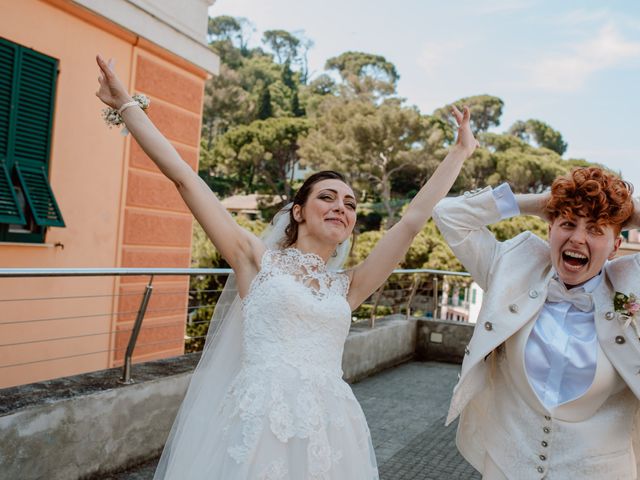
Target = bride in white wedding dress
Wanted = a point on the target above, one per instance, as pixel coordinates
(267, 400)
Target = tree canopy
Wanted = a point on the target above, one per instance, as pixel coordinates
(260, 157)
(540, 133)
(370, 142)
(365, 73)
(283, 44)
(264, 116)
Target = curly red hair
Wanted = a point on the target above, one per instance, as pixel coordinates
(594, 193)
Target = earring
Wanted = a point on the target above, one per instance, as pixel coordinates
(335, 253)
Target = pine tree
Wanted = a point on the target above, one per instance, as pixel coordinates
(265, 110)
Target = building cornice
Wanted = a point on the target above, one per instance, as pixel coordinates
(142, 19)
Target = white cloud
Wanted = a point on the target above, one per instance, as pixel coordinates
(580, 17)
(434, 55)
(570, 70)
(493, 7)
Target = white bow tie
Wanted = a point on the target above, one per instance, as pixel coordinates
(559, 293)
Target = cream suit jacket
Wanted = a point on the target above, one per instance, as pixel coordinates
(515, 275)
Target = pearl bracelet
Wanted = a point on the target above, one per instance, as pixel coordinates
(123, 107)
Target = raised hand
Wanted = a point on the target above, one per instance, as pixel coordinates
(111, 91)
(465, 140)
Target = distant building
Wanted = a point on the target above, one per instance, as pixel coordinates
(454, 303)
(248, 205)
(631, 244)
(75, 194)
(476, 294)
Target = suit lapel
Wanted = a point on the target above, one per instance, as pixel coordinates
(620, 344)
(494, 327)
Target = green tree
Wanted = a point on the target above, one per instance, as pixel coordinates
(260, 156)
(250, 85)
(527, 169)
(370, 143)
(265, 109)
(232, 29)
(511, 227)
(283, 44)
(314, 93)
(507, 158)
(225, 104)
(541, 133)
(365, 73)
(303, 58)
(289, 81)
(323, 85)
(260, 72)
(428, 250)
(486, 111)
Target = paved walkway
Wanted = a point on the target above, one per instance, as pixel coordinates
(405, 408)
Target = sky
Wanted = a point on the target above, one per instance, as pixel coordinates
(572, 64)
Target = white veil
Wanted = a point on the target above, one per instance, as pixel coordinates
(198, 418)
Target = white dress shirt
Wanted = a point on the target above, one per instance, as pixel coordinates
(561, 351)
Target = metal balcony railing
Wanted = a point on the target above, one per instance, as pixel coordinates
(408, 291)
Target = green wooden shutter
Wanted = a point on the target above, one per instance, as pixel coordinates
(34, 107)
(39, 195)
(34, 118)
(8, 57)
(10, 211)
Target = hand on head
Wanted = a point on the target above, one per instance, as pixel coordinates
(111, 91)
(466, 140)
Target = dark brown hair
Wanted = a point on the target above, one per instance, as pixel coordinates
(300, 198)
(593, 193)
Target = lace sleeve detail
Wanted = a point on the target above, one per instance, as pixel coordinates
(342, 283)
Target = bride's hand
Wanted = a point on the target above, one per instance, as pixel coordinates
(466, 140)
(111, 90)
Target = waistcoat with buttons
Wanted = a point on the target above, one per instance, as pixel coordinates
(587, 437)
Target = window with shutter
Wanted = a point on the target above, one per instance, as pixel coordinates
(10, 211)
(27, 93)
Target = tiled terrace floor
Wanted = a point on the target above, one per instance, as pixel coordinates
(405, 408)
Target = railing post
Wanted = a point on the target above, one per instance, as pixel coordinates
(126, 370)
(435, 297)
(377, 296)
(414, 287)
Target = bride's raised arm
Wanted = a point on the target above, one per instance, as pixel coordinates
(239, 247)
(393, 246)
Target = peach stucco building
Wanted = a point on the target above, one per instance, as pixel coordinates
(74, 193)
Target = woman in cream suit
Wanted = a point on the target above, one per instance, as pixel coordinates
(550, 382)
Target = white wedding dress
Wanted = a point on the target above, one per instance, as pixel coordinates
(287, 414)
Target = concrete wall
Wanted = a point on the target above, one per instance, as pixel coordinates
(442, 341)
(74, 427)
(367, 351)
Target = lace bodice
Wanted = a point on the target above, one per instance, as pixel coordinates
(296, 313)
